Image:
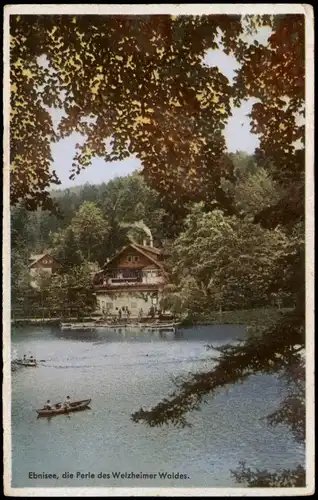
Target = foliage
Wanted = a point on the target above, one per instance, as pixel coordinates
(125, 79)
(90, 230)
(66, 249)
(265, 479)
(253, 192)
(271, 352)
(122, 201)
(126, 200)
(20, 275)
(227, 262)
(277, 116)
(73, 289)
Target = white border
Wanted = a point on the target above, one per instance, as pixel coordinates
(183, 9)
(175, 9)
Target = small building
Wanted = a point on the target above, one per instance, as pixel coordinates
(43, 263)
(134, 277)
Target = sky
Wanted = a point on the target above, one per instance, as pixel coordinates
(237, 134)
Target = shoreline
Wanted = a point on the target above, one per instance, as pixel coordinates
(242, 317)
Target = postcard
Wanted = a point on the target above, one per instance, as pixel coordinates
(158, 255)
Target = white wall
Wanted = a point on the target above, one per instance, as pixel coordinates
(134, 302)
(151, 277)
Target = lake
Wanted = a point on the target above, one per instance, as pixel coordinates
(122, 372)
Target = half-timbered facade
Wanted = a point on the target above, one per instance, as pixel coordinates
(134, 278)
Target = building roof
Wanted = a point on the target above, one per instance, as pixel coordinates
(155, 250)
(34, 258)
(140, 249)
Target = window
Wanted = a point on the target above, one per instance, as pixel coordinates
(134, 305)
(132, 258)
(109, 306)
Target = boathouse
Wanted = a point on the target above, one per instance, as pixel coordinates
(133, 278)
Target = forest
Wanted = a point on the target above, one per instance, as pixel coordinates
(232, 225)
(202, 247)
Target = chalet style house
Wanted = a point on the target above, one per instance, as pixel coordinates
(133, 278)
(43, 263)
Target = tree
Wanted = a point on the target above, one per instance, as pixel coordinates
(90, 231)
(19, 224)
(66, 249)
(276, 117)
(252, 188)
(20, 276)
(224, 261)
(125, 201)
(132, 75)
(72, 290)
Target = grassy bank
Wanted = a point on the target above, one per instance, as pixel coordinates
(236, 317)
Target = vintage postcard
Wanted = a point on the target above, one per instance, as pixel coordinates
(158, 255)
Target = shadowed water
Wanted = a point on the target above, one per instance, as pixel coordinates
(122, 372)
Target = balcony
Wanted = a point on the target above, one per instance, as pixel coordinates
(141, 281)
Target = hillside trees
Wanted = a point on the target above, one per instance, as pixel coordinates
(85, 238)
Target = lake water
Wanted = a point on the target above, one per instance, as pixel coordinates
(121, 373)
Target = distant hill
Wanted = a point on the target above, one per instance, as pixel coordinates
(57, 193)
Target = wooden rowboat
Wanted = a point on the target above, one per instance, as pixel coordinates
(76, 406)
(161, 326)
(77, 326)
(25, 363)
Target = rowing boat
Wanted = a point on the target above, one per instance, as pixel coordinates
(59, 410)
(160, 326)
(77, 326)
(25, 363)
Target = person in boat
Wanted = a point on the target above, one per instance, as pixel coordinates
(48, 405)
(67, 402)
